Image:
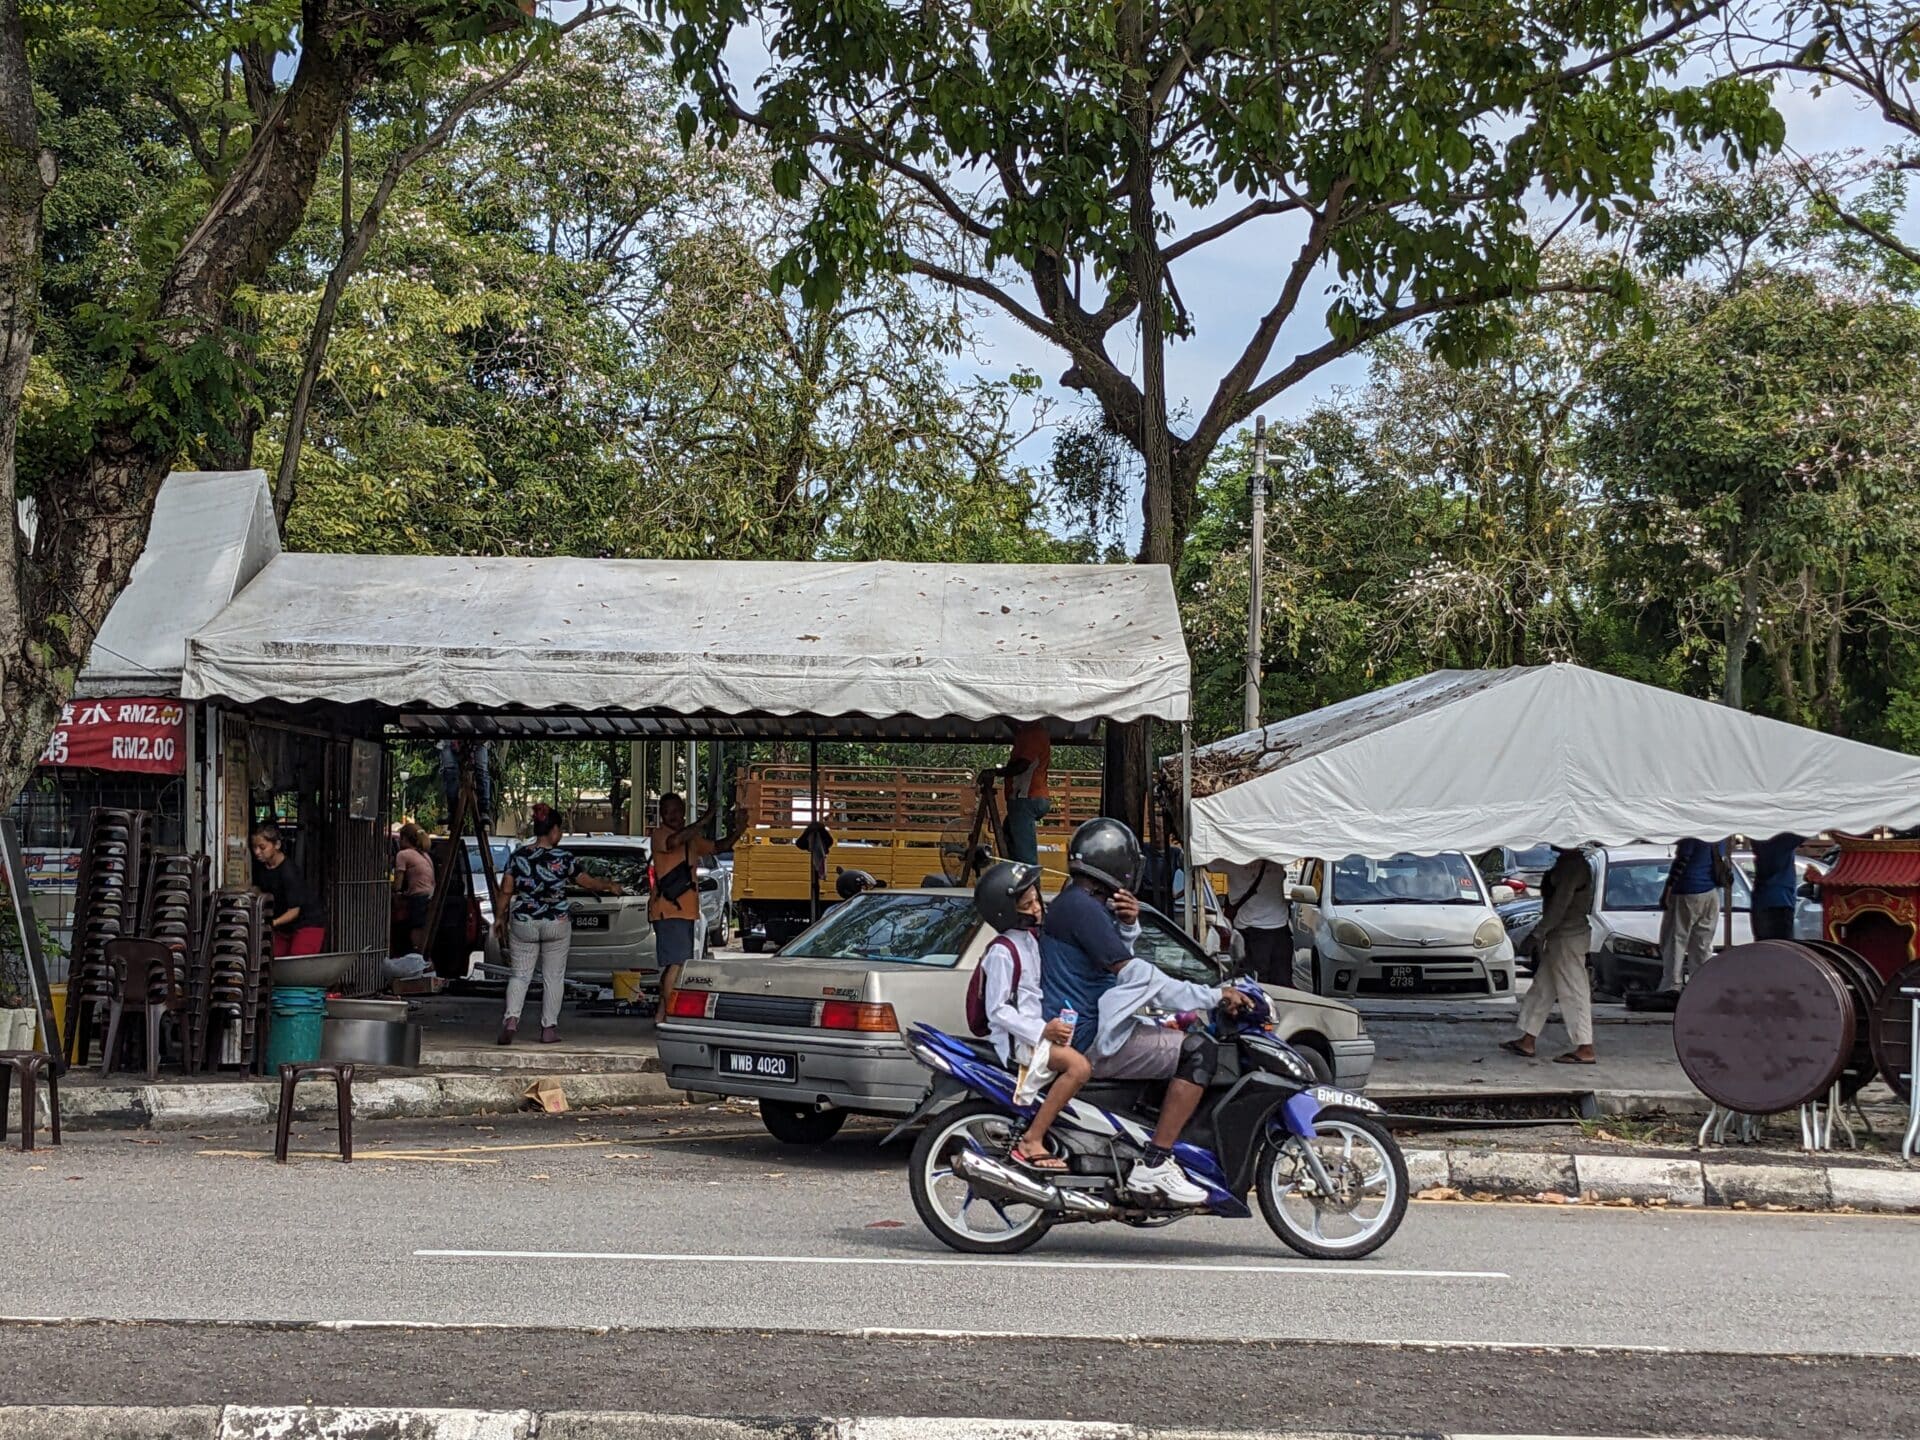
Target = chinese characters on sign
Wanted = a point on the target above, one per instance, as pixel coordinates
(144, 736)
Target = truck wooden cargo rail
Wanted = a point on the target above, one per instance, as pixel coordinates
(888, 823)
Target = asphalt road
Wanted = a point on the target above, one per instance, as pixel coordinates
(693, 1221)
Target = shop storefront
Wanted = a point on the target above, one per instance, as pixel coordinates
(127, 739)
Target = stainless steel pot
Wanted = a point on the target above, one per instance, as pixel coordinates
(371, 1042)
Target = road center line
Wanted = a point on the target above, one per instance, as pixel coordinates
(960, 1262)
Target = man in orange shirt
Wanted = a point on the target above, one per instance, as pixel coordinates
(1028, 799)
(677, 848)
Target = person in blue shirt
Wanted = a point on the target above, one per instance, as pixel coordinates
(1085, 944)
(1690, 910)
(1776, 886)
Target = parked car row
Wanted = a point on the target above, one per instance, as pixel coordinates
(1624, 954)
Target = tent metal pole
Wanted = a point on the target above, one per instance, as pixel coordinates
(1194, 927)
(813, 818)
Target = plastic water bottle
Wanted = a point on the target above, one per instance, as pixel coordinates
(1070, 1017)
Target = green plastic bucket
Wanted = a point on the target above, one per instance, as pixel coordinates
(299, 1015)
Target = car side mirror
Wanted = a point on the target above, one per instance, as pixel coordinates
(1502, 894)
(1808, 891)
(1304, 895)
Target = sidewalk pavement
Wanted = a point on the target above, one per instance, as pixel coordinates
(293, 1422)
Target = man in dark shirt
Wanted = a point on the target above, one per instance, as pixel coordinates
(1690, 910)
(1776, 886)
(1086, 941)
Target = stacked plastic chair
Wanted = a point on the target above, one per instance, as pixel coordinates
(113, 870)
(235, 985)
(176, 916)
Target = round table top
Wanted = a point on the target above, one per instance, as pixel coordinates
(1765, 1027)
(1892, 1030)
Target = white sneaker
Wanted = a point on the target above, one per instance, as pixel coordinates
(1166, 1180)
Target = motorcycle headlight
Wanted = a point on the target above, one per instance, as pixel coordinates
(1490, 934)
(1352, 935)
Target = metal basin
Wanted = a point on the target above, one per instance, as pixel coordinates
(370, 1042)
(316, 971)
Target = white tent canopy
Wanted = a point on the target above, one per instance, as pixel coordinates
(1555, 754)
(435, 633)
(212, 532)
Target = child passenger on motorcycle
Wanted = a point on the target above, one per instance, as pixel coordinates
(1008, 898)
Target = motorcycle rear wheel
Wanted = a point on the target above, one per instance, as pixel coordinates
(1370, 1175)
(959, 1218)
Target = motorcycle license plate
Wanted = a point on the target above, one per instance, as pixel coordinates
(760, 1065)
(1403, 977)
(583, 920)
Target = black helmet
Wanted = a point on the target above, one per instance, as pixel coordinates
(995, 896)
(855, 882)
(1105, 852)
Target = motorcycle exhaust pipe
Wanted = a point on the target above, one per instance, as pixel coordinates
(1008, 1182)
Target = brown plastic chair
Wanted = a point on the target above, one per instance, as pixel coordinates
(291, 1074)
(31, 1066)
(147, 980)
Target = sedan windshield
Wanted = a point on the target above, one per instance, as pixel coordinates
(1406, 880)
(908, 929)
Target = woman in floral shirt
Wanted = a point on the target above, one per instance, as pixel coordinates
(534, 922)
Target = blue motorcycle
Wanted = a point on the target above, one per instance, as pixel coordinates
(1330, 1179)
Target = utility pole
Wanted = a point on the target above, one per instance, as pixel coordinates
(1256, 565)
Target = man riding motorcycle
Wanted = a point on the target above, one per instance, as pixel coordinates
(1089, 967)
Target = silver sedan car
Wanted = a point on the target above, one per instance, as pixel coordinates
(814, 1033)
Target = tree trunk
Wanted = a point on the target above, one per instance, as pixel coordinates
(30, 693)
(93, 518)
(1161, 540)
(1741, 626)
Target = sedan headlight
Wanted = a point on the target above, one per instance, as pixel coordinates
(1352, 935)
(1490, 934)
(1641, 949)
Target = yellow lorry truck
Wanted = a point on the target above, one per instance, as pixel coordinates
(891, 824)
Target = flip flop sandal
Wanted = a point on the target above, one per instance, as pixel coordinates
(1041, 1164)
(1572, 1059)
(1513, 1047)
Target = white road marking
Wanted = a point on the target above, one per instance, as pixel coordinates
(958, 1262)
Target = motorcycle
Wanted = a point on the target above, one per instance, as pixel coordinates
(1329, 1177)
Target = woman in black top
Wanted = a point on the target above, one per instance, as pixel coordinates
(299, 915)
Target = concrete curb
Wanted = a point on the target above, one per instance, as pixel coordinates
(296, 1422)
(397, 1097)
(1676, 1180)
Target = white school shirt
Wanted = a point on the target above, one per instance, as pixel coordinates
(1013, 1016)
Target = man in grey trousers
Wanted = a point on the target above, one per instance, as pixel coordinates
(1690, 911)
(1560, 942)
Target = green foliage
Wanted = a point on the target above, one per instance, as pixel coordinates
(566, 340)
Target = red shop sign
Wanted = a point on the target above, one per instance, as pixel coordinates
(147, 736)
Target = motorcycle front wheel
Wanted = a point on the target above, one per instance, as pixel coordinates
(1369, 1197)
(960, 1217)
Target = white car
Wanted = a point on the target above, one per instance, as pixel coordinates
(1624, 954)
(1400, 926)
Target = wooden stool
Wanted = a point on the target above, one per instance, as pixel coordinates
(291, 1075)
(31, 1066)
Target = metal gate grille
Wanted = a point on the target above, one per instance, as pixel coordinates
(361, 883)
